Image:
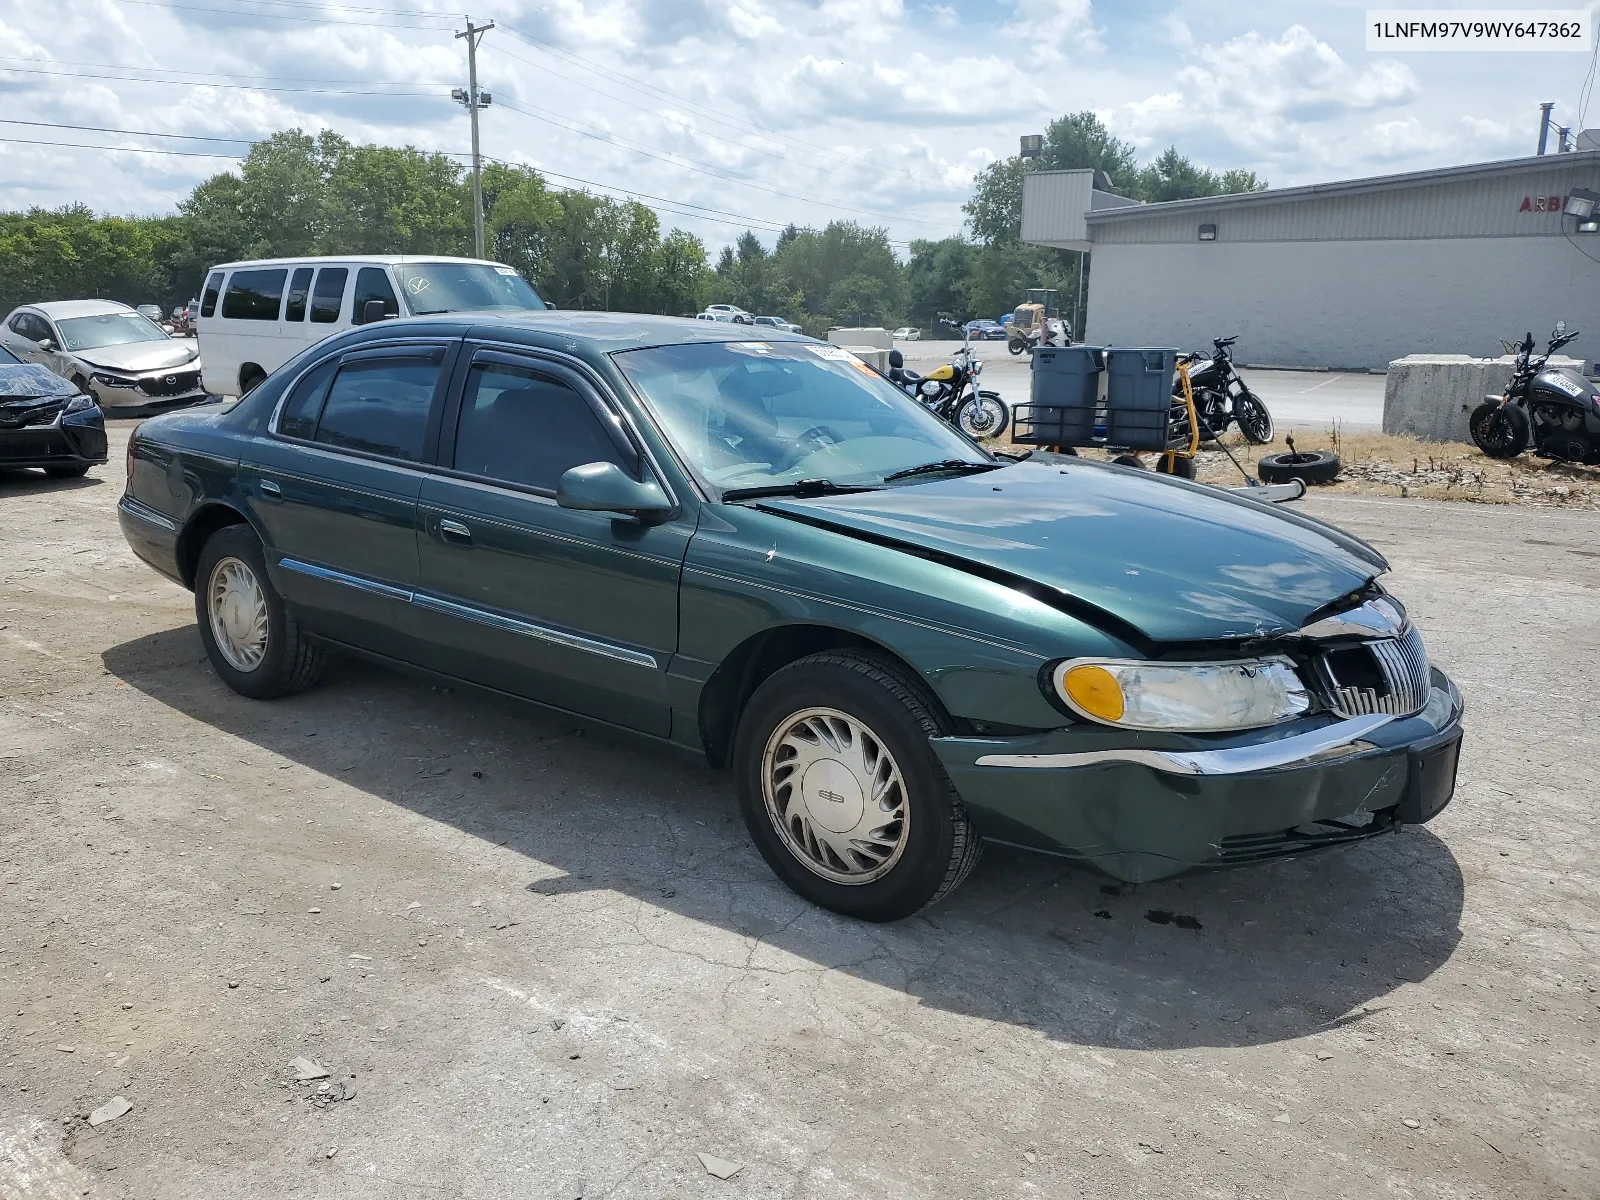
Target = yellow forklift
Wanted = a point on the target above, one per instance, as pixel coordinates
(1031, 319)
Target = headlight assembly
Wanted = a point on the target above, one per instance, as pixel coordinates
(79, 403)
(1208, 697)
(116, 381)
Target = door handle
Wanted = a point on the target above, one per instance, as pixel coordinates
(454, 531)
(271, 490)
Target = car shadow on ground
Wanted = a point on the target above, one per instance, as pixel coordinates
(1229, 958)
(35, 483)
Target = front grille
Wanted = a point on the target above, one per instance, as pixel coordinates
(21, 414)
(1389, 675)
(174, 384)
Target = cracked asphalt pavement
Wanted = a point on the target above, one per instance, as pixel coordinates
(540, 961)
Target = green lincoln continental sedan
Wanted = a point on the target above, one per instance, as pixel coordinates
(764, 554)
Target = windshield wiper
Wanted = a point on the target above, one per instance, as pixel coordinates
(802, 488)
(949, 464)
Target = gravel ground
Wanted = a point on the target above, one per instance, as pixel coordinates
(543, 963)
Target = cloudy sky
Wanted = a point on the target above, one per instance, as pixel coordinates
(727, 114)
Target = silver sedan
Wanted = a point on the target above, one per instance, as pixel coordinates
(122, 359)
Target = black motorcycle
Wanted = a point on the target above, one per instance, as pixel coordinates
(1557, 409)
(1221, 397)
(952, 393)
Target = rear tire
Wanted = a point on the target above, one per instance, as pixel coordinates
(1016, 345)
(1500, 430)
(1313, 466)
(842, 738)
(1181, 466)
(1128, 460)
(255, 645)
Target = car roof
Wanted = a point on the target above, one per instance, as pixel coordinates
(600, 332)
(354, 260)
(57, 310)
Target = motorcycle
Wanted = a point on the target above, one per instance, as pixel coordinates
(951, 392)
(1221, 397)
(1558, 410)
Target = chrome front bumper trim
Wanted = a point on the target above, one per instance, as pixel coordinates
(1236, 760)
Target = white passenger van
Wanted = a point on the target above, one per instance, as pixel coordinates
(256, 316)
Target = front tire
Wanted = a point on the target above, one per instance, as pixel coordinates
(1255, 422)
(1500, 430)
(255, 645)
(77, 471)
(841, 793)
(983, 415)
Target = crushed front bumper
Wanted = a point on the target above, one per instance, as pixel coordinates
(1143, 807)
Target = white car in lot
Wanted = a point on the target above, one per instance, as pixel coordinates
(121, 358)
(727, 312)
(907, 333)
(256, 316)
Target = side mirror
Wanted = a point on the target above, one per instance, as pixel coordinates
(372, 311)
(604, 487)
(1561, 327)
(896, 359)
(46, 344)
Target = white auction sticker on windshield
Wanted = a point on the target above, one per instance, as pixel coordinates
(505, 270)
(834, 353)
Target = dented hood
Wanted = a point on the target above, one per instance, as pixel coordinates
(1178, 562)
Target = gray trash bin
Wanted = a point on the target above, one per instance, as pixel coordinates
(1064, 393)
(1139, 401)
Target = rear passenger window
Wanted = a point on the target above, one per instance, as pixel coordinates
(299, 289)
(520, 427)
(372, 283)
(208, 305)
(328, 299)
(299, 416)
(254, 295)
(381, 405)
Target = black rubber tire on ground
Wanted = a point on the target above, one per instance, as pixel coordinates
(1181, 465)
(1016, 345)
(77, 471)
(1507, 437)
(1313, 466)
(942, 845)
(292, 662)
(1253, 419)
(1127, 460)
(249, 381)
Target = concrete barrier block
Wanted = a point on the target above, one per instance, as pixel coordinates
(870, 335)
(1431, 396)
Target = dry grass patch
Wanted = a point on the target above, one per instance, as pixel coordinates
(1376, 464)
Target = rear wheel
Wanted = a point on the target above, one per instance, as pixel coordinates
(983, 415)
(1016, 345)
(251, 378)
(1127, 460)
(1255, 422)
(841, 793)
(252, 640)
(1181, 465)
(1500, 430)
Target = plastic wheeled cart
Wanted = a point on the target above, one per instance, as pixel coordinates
(1135, 411)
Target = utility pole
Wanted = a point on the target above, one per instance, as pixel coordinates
(474, 100)
(1544, 125)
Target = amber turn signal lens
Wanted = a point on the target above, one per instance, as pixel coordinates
(1096, 691)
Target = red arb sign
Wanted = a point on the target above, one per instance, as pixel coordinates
(1540, 204)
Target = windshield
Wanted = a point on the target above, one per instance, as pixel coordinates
(108, 329)
(8, 359)
(761, 414)
(464, 287)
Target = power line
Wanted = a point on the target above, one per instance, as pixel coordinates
(246, 87)
(119, 149)
(189, 137)
(234, 12)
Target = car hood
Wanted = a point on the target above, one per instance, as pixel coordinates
(1177, 562)
(140, 356)
(30, 382)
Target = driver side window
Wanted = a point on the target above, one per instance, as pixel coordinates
(521, 427)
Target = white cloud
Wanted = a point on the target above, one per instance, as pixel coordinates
(1052, 31)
